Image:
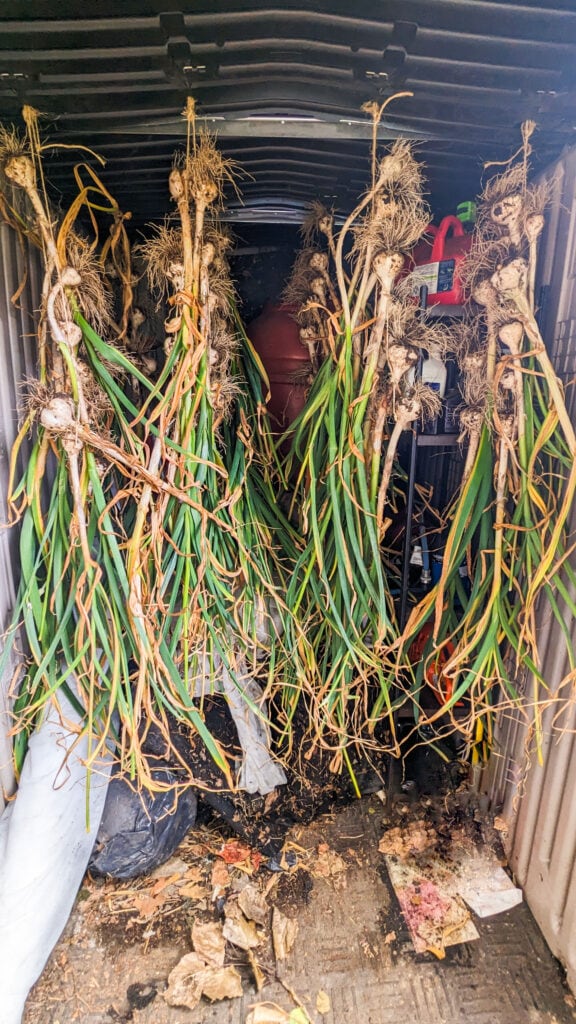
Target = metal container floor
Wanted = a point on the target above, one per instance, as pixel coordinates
(351, 944)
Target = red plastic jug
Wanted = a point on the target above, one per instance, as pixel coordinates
(276, 337)
(439, 265)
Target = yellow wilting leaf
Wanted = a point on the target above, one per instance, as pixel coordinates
(162, 884)
(299, 1016)
(270, 1013)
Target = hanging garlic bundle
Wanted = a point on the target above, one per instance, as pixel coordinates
(205, 571)
(310, 291)
(344, 453)
(73, 590)
(149, 575)
(519, 481)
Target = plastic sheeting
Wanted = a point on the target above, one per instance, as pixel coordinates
(45, 844)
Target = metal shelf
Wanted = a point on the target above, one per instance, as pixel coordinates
(437, 440)
(433, 312)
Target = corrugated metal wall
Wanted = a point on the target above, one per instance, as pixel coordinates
(17, 347)
(538, 801)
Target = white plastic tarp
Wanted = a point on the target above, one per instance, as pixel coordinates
(45, 845)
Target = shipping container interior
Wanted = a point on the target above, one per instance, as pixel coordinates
(283, 89)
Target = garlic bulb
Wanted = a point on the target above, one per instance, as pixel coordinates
(533, 227)
(70, 277)
(512, 277)
(58, 415)
(20, 170)
(511, 335)
(318, 289)
(176, 275)
(387, 266)
(319, 262)
(484, 293)
(506, 213)
(176, 184)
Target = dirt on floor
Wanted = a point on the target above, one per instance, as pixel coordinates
(216, 936)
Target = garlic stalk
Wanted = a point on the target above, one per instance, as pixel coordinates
(408, 409)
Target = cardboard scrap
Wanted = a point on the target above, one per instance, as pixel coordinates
(329, 865)
(432, 892)
(435, 918)
(484, 885)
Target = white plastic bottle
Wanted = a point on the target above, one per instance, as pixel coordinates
(434, 372)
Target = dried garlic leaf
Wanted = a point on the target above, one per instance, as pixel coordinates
(267, 1013)
(323, 1004)
(221, 983)
(284, 932)
(328, 863)
(209, 942)
(192, 978)
(184, 986)
(192, 892)
(238, 930)
(220, 878)
(253, 904)
(257, 972)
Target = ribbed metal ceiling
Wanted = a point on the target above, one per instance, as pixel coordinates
(284, 85)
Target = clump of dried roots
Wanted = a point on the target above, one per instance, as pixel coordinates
(206, 171)
(92, 294)
(162, 256)
(318, 220)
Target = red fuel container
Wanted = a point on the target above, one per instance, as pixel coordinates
(439, 262)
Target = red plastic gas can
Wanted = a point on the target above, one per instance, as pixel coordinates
(440, 260)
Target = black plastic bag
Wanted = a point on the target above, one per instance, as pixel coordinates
(141, 830)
